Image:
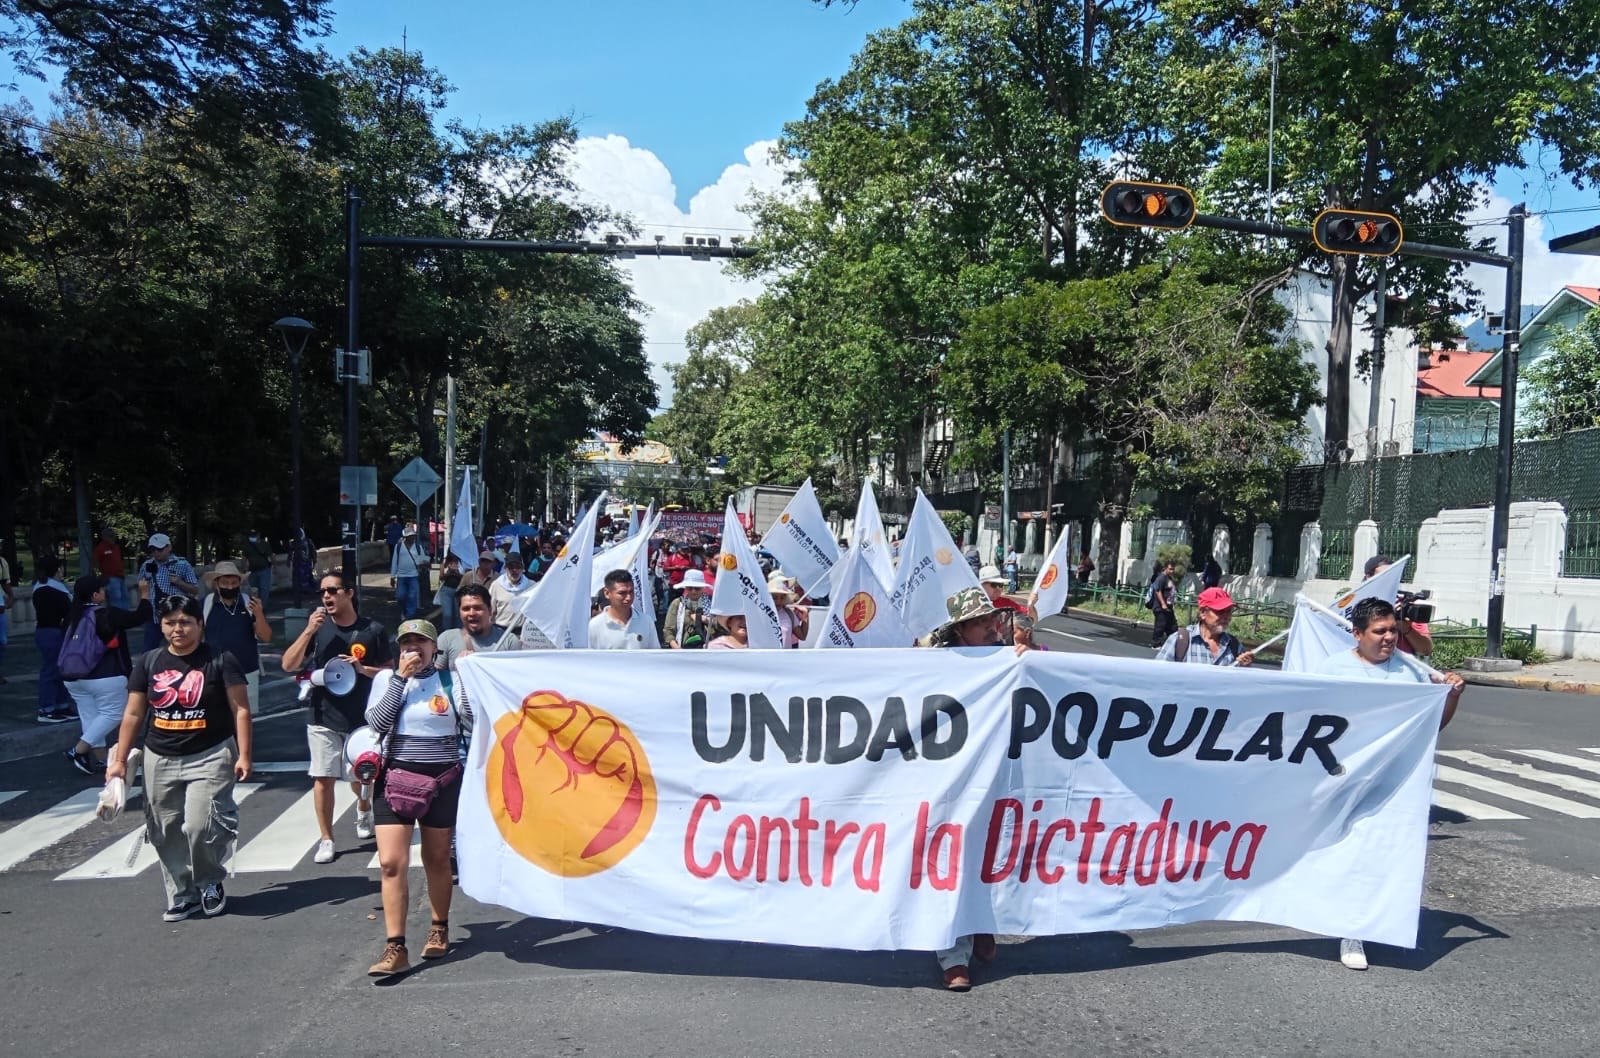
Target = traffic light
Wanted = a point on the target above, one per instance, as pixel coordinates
(1139, 205)
(1357, 231)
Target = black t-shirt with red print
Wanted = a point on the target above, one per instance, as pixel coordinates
(188, 698)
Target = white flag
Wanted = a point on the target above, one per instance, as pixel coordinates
(861, 614)
(620, 555)
(1050, 590)
(462, 543)
(559, 604)
(741, 587)
(802, 541)
(1315, 634)
(868, 538)
(633, 521)
(931, 570)
(644, 599)
(1385, 586)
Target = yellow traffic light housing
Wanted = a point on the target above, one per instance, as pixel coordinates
(1133, 204)
(1358, 232)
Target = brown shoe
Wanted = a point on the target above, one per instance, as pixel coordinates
(983, 947)
(394, 960)
(438, 942)
(957, 979)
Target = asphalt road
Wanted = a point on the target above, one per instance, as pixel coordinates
(1504, 966)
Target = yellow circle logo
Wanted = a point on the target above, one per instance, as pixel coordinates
(943, 556)
(728, 562)
(859, 611)
(569, 785)
(1049, 577)
(784, 517)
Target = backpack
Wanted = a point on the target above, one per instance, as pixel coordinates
(83, 648)
(1149, 600)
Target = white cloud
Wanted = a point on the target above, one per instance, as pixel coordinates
(1543, 273)
(611, 171)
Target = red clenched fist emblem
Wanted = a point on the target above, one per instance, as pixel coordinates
(859, 611)
(569, 785)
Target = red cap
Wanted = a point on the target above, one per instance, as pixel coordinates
(1215, 599)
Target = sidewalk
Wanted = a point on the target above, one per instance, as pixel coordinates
(1565, 675)
(21, 735)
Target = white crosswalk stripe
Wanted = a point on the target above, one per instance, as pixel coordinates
(281, 836)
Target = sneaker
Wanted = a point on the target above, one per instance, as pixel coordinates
(213, 899)
(54, 718)
(179, 912)
(984, 948)
(82, 761)
(394, 960)
(1353, 954)
(438, 942)
(364, 824)
(324, 851)
(957, 979)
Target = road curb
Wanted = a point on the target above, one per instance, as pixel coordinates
(1529, 683)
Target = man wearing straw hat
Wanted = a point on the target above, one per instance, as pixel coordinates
(794, 620)
(237, 622)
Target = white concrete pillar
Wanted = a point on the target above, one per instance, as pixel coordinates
(1310, 550)
(1222, 547)
(1363, 547)
(1261, 551)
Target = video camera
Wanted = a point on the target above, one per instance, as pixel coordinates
(1411, 607)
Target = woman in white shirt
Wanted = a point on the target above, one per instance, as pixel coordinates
(412, 707)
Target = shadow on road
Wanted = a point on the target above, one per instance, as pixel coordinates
(285, 898)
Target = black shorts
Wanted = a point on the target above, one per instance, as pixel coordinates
(441, 814)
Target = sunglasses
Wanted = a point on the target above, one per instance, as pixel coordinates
(331, 591)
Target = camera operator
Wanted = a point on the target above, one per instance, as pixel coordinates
(1377, 631)
(1414, 635)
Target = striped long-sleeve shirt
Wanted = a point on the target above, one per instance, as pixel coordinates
(422, 720)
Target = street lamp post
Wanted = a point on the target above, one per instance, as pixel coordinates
(295, 333)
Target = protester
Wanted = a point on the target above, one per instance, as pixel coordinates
(618, 627)
(1085, 567)
(1207, 641)
(994, 586)
(483, 574)
(794, 620)
(108, 563)
(197, 746)
(419, 785)
(168, 575)
(407, 566)
(1211, 573)
(476, 632)
(335, 630)
(1010, 564)
(393, 534)
(302, 559)
(237, 623)
(1163, 600)
(450, 577)
(51, 604)
(1376, 629)
(101, 691)
(685, 627)
(258, 557)
(735, 632)
(510, 590)
(1415, 636)
(972, 624)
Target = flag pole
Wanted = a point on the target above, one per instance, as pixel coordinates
(1410, 659)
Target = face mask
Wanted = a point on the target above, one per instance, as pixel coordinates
(252, 538)
(228, 594)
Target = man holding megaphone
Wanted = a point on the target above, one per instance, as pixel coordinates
(342, 651)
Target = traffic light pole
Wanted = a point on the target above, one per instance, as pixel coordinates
(1510, 352)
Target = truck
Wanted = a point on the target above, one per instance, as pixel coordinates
(758, 506)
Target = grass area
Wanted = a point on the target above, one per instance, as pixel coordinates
(1250, 626)
(1452, 652)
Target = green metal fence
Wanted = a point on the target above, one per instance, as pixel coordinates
(1399, 538)
(1582, 557)
(1338, 548)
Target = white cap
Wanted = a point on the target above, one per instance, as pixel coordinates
(160, 540)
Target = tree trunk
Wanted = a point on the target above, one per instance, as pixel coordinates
(1336, 430)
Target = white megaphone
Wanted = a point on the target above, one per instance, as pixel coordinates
(337, 677)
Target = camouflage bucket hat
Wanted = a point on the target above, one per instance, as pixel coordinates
(967, 604)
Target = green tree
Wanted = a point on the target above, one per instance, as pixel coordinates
(1562, 390)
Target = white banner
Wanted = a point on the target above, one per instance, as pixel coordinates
(861, 614)
(741, 587)
(559, 604)
(931, 570)
(802, 541)
(896, 799)
(1055, 579)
